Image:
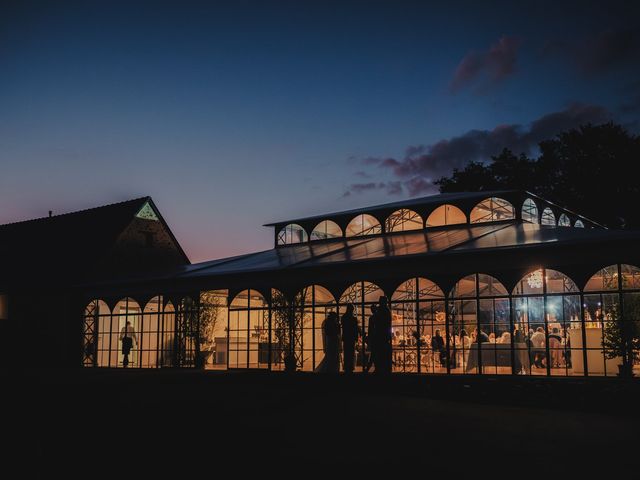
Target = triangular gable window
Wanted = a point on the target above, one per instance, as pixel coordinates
(147, 212)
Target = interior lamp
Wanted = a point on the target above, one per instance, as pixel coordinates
(535, 279)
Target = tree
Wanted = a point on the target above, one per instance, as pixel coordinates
(210, 307)
(621, 335)
(593, 167)
(288, 317)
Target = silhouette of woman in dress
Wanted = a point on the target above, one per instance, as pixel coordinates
(330, 345)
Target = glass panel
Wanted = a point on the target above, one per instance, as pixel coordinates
(548, 218)
(446, 215)
(564, 221)
(465, 287)
(325, 230)
(579, 224)
(488, 286)
(532, 283)
(292, 233)
(530, 211)
(403, 220)
(630, 277)
(492, 210)
(603, 280)
(363, 224)
(558, 282)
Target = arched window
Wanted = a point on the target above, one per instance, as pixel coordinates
(213, 326)
(548, 218)
(564, 221)
(292, 233)
(363, 224)
(325, 230)
(417, 312)
(248, 330)
(403, 220)
(312, 305)
(126, 314)
(579, 224)
(492, 210)
(611, 310)
(479, 325)
(446, 215)
(530, 211)
(546, 312)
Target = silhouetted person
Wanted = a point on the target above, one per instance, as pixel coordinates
(330, 340)
(371, 337)
(383, 350)
(437, 345)
(127, 337)
(481, 337)
(349, 338)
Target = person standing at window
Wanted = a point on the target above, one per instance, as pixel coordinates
(127, 337)
(350, 334)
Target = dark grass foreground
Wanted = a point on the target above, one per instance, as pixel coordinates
(182, 424)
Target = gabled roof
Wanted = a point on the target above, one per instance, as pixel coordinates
(65, 242)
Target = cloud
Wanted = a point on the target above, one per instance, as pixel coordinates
(609, 49)
(422, 164)
(393, 187)
(487, 68)
(600, 52)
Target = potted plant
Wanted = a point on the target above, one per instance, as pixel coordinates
(210, 307)
(621, 335)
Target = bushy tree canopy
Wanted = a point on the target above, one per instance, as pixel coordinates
(592, 169)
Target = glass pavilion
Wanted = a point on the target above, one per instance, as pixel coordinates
(515, 284)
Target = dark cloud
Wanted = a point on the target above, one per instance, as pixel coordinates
(486, 69)
(422, 164)
(393, 187)
(601, 52)
(632, 98)
(610, 49)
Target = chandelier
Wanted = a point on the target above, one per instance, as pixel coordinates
(535, 279)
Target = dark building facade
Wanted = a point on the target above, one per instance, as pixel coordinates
(511, 283)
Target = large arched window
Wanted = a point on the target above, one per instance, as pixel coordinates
(151, 333)
(492, 210)
(546, 312)
(548, 218)
(479, 326)
(112, 330)
(248, 331)
(417, 313)
(446, 215)
(564, 221)
(579, 224)
(530, 211)
(362, 295)
(213, 325)
(325, 230)
(363, 224)
(403, 220)
(292, 233)
(611, 310)
(311, 307)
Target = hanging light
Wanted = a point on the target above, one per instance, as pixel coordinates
(535, 279)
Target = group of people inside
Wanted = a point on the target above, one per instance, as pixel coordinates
(342, 334)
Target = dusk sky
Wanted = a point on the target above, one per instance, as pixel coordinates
(234, 114)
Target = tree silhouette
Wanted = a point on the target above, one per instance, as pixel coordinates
(591, 168)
